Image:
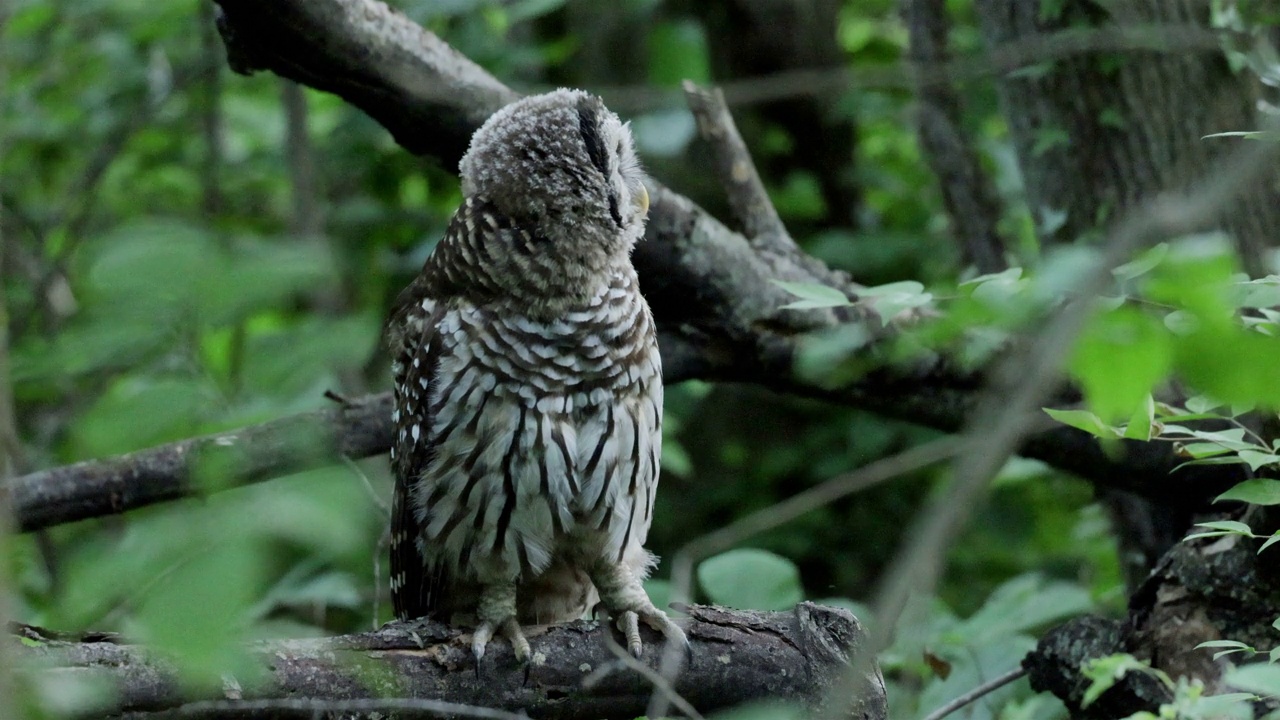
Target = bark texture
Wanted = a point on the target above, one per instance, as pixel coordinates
(967, 193)
(737, 656)
(1096, 133)
(1209, 589)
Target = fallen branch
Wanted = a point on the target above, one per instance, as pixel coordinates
(737, 656)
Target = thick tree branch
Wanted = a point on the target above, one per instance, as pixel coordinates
(737, 656)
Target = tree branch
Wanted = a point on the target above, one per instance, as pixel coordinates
(738, 656)
(258, 452)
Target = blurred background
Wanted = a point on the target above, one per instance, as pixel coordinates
(187, 250)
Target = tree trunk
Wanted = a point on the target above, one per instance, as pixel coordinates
(1097, 133)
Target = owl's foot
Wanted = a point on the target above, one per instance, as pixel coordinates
(497, 614)
(624, 597)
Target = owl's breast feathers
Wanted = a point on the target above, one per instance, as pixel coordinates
(527, 441)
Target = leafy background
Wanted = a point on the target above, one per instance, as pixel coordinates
(188, 250)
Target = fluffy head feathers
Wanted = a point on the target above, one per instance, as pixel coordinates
(563, 166)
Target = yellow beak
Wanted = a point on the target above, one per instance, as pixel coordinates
(641, 200)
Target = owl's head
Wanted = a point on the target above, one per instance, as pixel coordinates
(562, 166)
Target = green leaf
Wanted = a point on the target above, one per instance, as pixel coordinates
(1142, 264)
(1024, 603)
(1258, 491)
(1142, 422)
(893, 298)
(1206, 450)
(751, 579)
(1275, 538)
(1196, 275)
(1233, 364)
(1257, 459)
(1105, 672)
(1247, 135)
(1084, 420)
(1260, 678)
(1224, 644)
(1228, 526)
(158, 410)
(1232, 645)
(812, 295)
(1120, 357)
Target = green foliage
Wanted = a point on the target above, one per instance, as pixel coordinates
(156, 295)
(751, 579)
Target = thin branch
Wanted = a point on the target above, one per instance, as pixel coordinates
(1025, 51)
(305, 221)
(779, 514)
(211, 114)
(10, 447)
(661, 685)
(977, 693)
(748, 201)
(213, 462)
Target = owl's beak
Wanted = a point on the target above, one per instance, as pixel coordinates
(641, 200)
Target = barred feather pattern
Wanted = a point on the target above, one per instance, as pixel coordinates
(527, 445)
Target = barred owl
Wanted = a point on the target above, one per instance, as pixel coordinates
(528, 387)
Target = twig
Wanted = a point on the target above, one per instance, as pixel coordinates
(9, 448)
(660, 684)
(378, 502)
(748, 201)
(986, 688)
(1027, 50)
(779, 514)
(305, 221)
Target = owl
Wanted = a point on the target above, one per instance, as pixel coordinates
(528, 387)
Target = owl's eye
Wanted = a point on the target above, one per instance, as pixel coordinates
(589, 128)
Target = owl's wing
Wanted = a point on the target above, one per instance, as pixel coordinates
(416, 348)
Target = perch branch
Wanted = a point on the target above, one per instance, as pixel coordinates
(737, 656)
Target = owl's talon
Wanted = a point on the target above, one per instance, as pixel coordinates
(629, 624)
(479, 639)
(510, 629)
(599, 611)
(519, 645)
